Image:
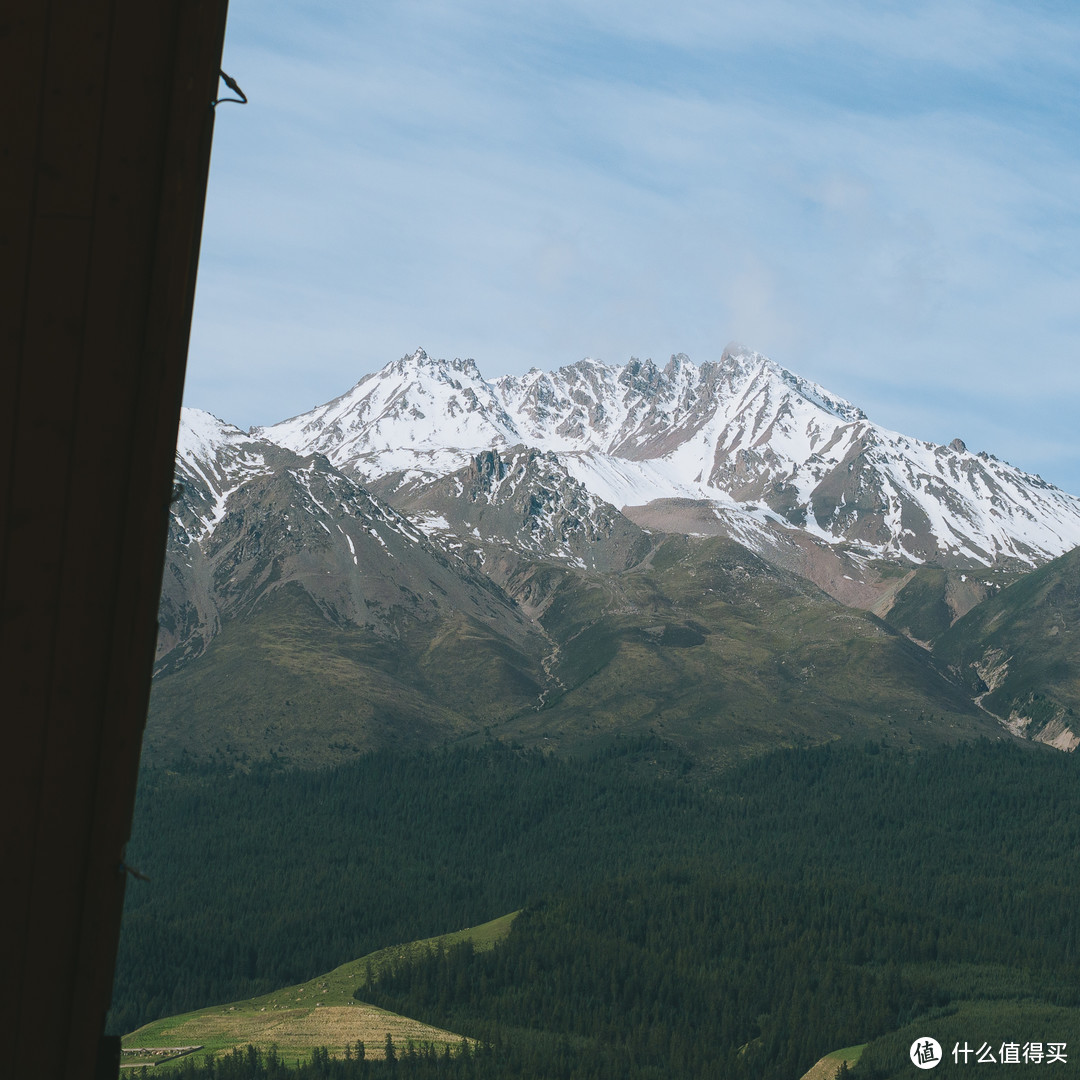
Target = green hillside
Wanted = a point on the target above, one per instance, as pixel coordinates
(704, 643)
(1025, 1026)
(674, 917)
(321, 1012)
(868, 892)
(1020, 652)
(930, 598)
(828, 1067)
(725, 655)
(286, 682)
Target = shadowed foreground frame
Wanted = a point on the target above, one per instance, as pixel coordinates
(104, 154)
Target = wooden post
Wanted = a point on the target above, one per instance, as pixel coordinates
(104, 153)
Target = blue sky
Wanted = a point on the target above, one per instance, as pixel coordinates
(883, 197)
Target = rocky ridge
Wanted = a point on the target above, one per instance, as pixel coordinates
(433, 548)
(763, 448)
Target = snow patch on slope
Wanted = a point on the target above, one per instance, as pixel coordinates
(743, 433)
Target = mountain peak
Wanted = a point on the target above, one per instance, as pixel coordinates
(201, 433)
(742, 361)
(420, 360)
(736, 350)
(743, 431)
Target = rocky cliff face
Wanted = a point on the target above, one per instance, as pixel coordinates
(432, 551)
(251, 517)
(765, 448)
(1019, 655)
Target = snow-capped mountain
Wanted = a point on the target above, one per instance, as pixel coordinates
(416, 412)
(769, 449)
(251, 517)
(520, 500)
(434, 552)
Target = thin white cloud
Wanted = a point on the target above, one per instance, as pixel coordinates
(848, 186)
(966, 34)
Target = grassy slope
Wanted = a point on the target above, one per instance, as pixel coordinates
(829, 1065)
(976, 1022)
(920, 608)
(980, 825)
(319, 1012)
(287, 682)
(993, 1004)
(1033, 625)
(705, 644)
(932, 598)
(724, 655)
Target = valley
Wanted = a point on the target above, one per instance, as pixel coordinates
(755, 711)
(433, 557)
(673, 917)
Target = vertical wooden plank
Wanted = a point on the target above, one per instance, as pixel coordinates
(24, 33)
(153, 391)
(40, 449)
(99, 228)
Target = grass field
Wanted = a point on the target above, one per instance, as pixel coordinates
(320, 1012)
(829, 1065)
(984, 1023)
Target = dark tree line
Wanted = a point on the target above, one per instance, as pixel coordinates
(737, 924)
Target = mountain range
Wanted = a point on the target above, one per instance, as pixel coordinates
(725, 554)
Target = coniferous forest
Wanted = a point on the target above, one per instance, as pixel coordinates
(674, 921)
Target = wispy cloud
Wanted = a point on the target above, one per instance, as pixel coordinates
(879, 195)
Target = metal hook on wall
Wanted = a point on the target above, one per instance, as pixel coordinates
(231, 84)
